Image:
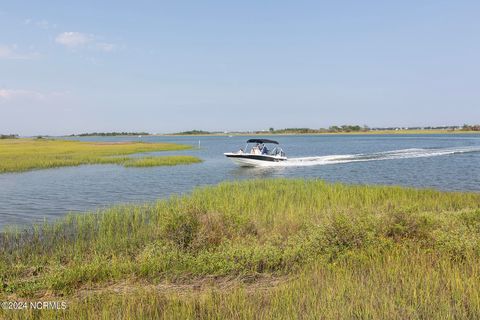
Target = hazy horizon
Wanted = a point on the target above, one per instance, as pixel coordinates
(266, 129)
(175, 66)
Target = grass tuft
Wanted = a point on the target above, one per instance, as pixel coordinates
(161, 161)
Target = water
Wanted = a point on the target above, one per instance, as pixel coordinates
(445, 162)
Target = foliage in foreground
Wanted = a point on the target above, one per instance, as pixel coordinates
(343, 252)
(28, 154)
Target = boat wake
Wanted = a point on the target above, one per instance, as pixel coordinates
(386, 155)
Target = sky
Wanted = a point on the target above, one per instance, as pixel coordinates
(166, 66)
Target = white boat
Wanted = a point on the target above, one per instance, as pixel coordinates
(258, 155)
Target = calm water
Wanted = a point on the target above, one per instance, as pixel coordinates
(446, 162)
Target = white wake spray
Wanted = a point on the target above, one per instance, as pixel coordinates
(361, 157)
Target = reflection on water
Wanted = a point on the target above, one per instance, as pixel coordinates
(256, 172)
(439, 161)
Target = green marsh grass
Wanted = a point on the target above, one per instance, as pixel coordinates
(277, 249)
(28, 154)
(160, 161)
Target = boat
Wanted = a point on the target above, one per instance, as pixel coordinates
(259, 154)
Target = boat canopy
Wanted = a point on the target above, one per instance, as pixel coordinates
(261, 141)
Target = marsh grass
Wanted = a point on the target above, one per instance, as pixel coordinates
(342, 251)
(28, 154)
(160, 161)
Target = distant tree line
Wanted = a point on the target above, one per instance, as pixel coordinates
(8, 136)
(291, 130)
(343, 128)
(193, 132)
(467, 127)
(365, 128)
(337, 129)
(110, 134)
(417, 128)
(348, 128)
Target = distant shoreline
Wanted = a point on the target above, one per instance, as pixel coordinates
(371, 132)
(266, 133)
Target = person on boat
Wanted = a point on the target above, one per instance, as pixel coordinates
(256, 149)
(260, 148)
(265, 150)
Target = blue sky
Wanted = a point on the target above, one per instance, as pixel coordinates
(70, 67)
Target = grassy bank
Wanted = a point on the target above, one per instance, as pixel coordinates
(257, 249)
(28, 154)
(161, 161)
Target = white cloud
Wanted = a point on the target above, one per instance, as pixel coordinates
(22, 94)
(10, 94)
(44, 24)
(5, 52)
(106, 47)
(11, 52)
(77, 40)
(73, 39)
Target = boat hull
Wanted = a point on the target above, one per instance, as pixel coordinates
(251, 160)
